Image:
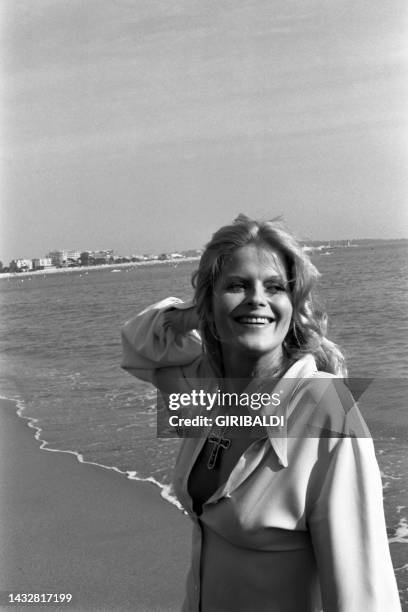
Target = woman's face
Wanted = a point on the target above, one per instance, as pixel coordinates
(251, 306)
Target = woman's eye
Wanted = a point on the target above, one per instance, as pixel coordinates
(236, 286)
(275, 287)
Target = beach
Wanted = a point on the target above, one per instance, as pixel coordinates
(75, 528)
(60, 357)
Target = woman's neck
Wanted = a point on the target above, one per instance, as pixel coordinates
(237, 366)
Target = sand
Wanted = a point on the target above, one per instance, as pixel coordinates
(69, 527)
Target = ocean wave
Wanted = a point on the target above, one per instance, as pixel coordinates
(166, 491)
(401, 533)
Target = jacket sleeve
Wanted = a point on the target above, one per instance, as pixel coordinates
(147, 346)
(348, 532)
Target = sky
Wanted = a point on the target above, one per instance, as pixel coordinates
(145, 125)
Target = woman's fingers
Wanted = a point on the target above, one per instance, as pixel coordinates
(180, 321)
(172, 320)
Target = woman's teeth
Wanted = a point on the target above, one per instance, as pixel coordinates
(254, 320)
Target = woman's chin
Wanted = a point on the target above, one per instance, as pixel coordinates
(253, 347)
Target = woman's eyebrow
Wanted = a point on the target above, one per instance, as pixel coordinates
(273, 278)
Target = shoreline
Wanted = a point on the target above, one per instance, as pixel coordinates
(147, 505)
(313, 250)
(164, 490)
(70, 528)
(86, 269)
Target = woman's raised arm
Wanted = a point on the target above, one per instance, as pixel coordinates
(161, 336)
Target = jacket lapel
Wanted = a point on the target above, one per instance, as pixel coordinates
(277, 437)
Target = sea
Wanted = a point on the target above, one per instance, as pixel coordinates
(60, 355)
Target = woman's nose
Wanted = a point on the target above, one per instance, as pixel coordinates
(256, 295)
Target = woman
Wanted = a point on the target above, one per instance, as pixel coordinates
(288, 521)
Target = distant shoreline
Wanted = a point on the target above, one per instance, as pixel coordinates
(113, 266)
(313, 247)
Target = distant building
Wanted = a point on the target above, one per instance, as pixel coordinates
(74, 255)
(64, 257)
(103, 257)
(58, 258)
(42, 263)
(73, 258)
(93, 258)
(86, 258)
(138, 257)
(192, 252)
(21, 265)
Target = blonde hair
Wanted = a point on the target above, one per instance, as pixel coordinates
(308, 327)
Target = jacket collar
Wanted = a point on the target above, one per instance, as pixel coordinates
(287, 386)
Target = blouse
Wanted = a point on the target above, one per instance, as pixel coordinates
(299, 525)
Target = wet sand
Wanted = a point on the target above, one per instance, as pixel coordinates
(67, 527)
(70, 527)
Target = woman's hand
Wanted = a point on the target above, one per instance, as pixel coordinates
(181, 321)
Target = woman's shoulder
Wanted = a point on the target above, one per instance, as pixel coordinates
(326, 402)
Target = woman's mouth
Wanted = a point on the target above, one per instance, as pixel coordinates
(258, 321)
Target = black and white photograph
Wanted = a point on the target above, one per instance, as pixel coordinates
(203, 306)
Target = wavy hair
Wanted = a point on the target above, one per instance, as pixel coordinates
(308, 327)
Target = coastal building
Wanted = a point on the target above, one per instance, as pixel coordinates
(58, 258)
(136, 258)
(64, 257)
(103, 257)
(21, 265)
(86, 258)
(73, 258)
(75, 254)
(192, 253)
(93, 258)
(42, 263)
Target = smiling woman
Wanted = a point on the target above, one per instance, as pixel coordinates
(282, 522)
(251, 311)
(264, 257)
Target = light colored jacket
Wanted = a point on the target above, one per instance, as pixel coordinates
(299, 525)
